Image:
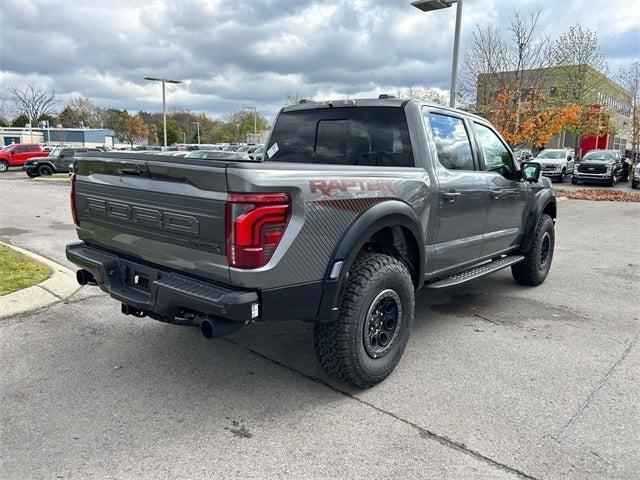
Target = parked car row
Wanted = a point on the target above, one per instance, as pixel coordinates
(597, 166)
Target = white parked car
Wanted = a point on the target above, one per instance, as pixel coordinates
(556, 163)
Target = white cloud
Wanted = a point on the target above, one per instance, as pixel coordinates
(233, 53)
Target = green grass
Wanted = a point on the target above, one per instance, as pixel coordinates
(18, 271)
(56, 177)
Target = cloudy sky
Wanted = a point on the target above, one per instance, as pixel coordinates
(234, 53)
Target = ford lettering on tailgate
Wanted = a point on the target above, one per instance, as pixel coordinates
(145, 216)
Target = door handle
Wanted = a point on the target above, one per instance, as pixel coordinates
(496, 193)
(451, 196)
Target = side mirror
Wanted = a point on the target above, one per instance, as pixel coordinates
(531, 172)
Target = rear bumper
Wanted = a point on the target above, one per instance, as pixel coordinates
(162, 292)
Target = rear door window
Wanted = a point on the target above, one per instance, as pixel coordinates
(452, 142)
(370, 136)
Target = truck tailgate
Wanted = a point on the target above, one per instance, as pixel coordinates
(165, 210)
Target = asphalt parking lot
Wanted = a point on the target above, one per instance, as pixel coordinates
(498, 380)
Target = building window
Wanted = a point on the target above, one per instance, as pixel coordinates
(619, 144)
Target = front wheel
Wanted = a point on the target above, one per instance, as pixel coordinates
(533, 270)
(32, 175)
(3, 166)
(574, 181)
(45, 170)
(562, 175)
(365, 343)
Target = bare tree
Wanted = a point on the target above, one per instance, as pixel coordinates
(34, 101)
(515, 63)
(292, 98)
(484, 58)
(80, 111)
(629, 77)
(582, 65)
(423, 94)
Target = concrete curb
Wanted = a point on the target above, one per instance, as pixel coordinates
(57, 288)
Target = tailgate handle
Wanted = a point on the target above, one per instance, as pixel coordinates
(139, 170)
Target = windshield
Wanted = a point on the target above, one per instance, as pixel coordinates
(376, 136)
(598, 155)
(556, 154)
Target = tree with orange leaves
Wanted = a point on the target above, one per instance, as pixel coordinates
(530, 122)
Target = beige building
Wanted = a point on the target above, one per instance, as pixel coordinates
(547, 83)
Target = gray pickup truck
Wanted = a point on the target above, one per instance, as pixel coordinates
(355, 206)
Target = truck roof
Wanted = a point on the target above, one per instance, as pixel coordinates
(369, 102)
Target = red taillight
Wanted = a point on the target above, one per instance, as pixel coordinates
(255, 224)
(72, 197)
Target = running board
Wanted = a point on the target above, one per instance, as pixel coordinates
(475, 272)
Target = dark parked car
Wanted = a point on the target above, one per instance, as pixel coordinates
(635, 181)
(58, 161)
(626, 169)
(599, 166)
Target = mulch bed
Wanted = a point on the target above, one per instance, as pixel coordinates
(600, 194)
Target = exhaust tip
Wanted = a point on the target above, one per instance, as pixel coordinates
(85, 277)
(206, 327)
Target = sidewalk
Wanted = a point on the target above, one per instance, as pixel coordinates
(57, 288)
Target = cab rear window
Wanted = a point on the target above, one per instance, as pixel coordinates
(370, 136)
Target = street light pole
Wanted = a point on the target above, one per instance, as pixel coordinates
(164, 114)
(430, 5)
(456, 49)
(198, 130)
(164, 103)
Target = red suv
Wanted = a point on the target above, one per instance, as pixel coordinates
(17, 155)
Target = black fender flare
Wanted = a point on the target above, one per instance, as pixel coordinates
(540, 202)
(390, 213)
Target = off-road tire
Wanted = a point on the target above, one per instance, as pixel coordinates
(574, 181)
(535, 267)
(32, 175)
(634, 184)
(612, 182)
(3, 166)
(45, 171)
(340, 345)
